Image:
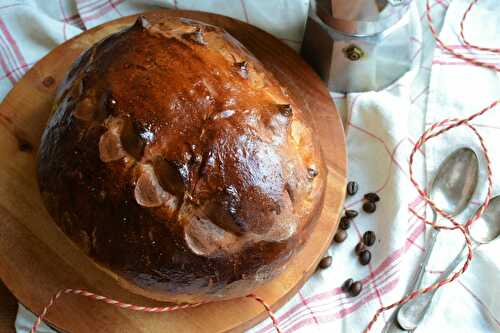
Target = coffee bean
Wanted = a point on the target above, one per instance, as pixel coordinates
(352, 188)
(360, 248)
(369, 238)
(340, 236)
(373, 197)
(369, 207)
(365, 257)
(355, 288)
(325, 262)
(347, 285)
(351, 213)
(345, 223)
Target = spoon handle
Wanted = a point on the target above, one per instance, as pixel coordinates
(410, 314)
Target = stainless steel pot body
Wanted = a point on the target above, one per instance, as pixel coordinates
(359, 45)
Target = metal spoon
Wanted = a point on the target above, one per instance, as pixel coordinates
(451, 190)
(483, 231)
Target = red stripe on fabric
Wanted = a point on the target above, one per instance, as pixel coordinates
(87, 3)
(467, 48)
(393, 161)
(115, 7)
(20, 68)
(344, 312)
(412, 100)
(417, 52)
(340, 301)
(64, 19)
(13, 43)
(382, 278)
(99, 6)
(418, 231)
(351, 109)
(487, 126)
(8, 58)
(370, 134)
(480, 54)
(415, 244)
(415, 202)
(420, 149)
(90, 9)
(306, 303)
(337, 298)
(104, 9)
(414, 39)
(75, 19)
(449, 63)
(383, 290)
(387, 178)
(9, 73)
(376, 274)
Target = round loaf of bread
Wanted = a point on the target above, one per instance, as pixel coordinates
(179, 164)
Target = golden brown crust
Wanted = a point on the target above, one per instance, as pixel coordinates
(179, 164)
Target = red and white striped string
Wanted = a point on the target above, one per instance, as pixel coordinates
(462, 34)
(432, 132)
(133, 307)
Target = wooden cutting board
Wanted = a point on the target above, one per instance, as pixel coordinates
(36, 259)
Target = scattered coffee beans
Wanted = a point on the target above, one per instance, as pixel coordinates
(325, 262)
(340, 236)
(345, 223)
(352, 188)
(360, 248)
(355, 288)
(347, 285)
(373, 197)
(365, 257)
(351, 213)
(369, 207)
(369, 238)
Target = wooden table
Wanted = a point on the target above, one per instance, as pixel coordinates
(8, 309)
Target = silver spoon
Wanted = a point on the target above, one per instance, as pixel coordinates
(482, 231)
(451, 190)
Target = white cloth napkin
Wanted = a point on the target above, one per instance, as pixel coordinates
(457, 90)
(382, 127)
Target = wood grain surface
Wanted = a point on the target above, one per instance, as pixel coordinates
(36, 258)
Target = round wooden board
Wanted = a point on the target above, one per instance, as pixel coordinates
(36, 259)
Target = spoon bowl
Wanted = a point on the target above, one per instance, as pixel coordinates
(451, 191)
(487, 227)
(456, 181)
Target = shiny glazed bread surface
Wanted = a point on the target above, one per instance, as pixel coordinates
(179, 164)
